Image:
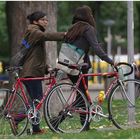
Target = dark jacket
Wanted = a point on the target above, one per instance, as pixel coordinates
(88, 39)
(35, 63)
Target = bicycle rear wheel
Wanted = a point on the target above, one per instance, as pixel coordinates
(124, 109)
(12, 114)
(66, 109)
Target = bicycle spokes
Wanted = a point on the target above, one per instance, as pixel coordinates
(124, 107)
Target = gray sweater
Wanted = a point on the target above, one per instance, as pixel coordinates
(88, 39)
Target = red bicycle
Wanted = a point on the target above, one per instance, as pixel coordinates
(15, 107)
(73, 109)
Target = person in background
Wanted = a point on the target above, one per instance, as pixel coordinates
(34, 64)
(82, 34)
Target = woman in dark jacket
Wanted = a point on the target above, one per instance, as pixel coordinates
(82, 34)
(34, 64)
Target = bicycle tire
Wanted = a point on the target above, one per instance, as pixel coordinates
(15, 117)
(66, 111)
(121, 109)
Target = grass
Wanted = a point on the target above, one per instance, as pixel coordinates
(91, 134)
(99, 130)
(102, 129)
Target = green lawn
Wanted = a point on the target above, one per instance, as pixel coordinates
(104, 129)
(99, 130)
(91, 134)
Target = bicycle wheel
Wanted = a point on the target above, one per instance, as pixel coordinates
(66, 109)
(123, 107)
(12, 114)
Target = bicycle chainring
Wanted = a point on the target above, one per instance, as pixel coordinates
(95, 116)
(34, 116)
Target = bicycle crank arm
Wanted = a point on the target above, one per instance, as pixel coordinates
(102, 115)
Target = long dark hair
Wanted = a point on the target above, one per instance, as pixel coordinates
(82, 17)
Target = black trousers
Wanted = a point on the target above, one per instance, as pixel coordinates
(81, 87)
(34, 88)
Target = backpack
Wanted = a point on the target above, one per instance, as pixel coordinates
(70, 54)
(18, 59)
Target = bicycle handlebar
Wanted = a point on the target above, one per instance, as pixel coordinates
(14, 68)
(78, 67)
(85, 65)
(51, 71)
(126, 64)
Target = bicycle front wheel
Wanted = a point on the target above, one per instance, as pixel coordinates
(66, 109)
(13, 118)
(123, 106)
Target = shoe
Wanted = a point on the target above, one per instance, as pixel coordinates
(41, 131)
(86, 129)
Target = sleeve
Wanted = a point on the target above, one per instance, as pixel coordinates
(38, 35)
(90, 35)
(56, 36)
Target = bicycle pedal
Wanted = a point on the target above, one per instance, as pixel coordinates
(69, 114)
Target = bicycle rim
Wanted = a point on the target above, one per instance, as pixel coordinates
(13, 120)
(4, 124)
(66, 109)
(124, 109)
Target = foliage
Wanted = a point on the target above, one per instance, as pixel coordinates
(103, 10)
(65, 12)
(115, 10)
(4, 50)
(136, 24)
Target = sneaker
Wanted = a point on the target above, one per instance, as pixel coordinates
(41, 131)
(86, 128)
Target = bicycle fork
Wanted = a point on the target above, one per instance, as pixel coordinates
(125, 94)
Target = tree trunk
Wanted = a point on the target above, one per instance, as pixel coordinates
(17, 12)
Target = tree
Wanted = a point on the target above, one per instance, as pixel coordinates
(102, 10)
(17, 12)
(3, 32)
(137, 25)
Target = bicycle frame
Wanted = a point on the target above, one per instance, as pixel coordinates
(82, 78)
(19, 85)
(77, 104)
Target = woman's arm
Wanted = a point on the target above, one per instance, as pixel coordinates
(38, 35)
(56, 36)
(92, 39)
